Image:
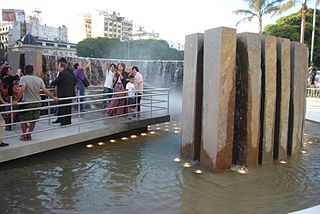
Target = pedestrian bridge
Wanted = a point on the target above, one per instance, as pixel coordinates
(88, 125)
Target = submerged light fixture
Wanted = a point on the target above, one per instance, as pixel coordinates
(152, 132)
(112, 141)
(187, 165)
(89, 146)
(124, 138)
(177, 160)
(100, 143)
(242, 171)
(143, 134)
(133, 136)
(198, 171)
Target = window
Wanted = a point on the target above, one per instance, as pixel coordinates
(50, 44)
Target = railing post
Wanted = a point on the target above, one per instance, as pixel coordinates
(11, 113)
(168, 102)
(79, 112)
(151, 105)
(49, 120)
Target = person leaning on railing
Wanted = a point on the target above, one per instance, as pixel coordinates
(9, 89)
(30, 87)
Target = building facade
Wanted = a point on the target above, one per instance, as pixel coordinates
(104, 23)
(140, 33)
(47, 47)
(11, 32)
(5, 27)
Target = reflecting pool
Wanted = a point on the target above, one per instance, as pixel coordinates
(140, 175)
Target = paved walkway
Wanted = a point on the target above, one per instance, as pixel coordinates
(313, 109)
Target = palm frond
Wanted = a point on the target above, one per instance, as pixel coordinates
(284, 7)
(243, 12)
(248, 18)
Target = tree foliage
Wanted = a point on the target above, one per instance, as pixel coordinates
(103, 47)
(260, 8)
(289, 27)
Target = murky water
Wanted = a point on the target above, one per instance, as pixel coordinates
(140, 176)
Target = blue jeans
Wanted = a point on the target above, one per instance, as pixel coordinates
(81, 90)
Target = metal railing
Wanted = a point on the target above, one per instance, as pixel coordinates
(154, 102)
(313, 92)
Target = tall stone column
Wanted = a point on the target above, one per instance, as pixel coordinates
(192, 96)
(268, 98)
(247, 116)
(299, 69)
(218, 98)
(283, 98)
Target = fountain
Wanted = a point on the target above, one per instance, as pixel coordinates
(246, 103)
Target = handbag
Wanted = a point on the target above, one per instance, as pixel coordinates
(86, 82)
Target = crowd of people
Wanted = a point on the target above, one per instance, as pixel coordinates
(24, 90)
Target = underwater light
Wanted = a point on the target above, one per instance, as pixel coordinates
(143, 134)
(112, 141)
(198, 171)
(303, 152)
(158, 128)
(242, 171)
(176, 132)
(133, 136)
(152, 132)
(124, 138)
(100, 143)
(187, 165)
(283, 162)
(89, 145)
(177, 160)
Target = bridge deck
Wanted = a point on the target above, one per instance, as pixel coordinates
(65, 136)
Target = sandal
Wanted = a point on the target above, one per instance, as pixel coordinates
(24, 138)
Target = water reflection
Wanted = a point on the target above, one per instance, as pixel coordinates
(141, 176)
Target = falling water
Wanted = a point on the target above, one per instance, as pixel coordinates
(157, 73)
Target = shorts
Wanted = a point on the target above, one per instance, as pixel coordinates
(29, 115)
(131, 101)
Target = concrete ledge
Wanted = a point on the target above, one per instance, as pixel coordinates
(66, 136)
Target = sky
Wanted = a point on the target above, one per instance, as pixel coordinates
(173, 19)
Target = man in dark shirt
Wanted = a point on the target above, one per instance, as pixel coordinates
(65, 83)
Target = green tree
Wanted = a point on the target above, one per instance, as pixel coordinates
(289, 27)
(103, 47)
(258, 9)
(290, 4)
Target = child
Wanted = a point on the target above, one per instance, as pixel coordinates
(131, 97)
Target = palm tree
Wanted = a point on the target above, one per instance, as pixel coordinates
(258, 9)
(290, 4)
